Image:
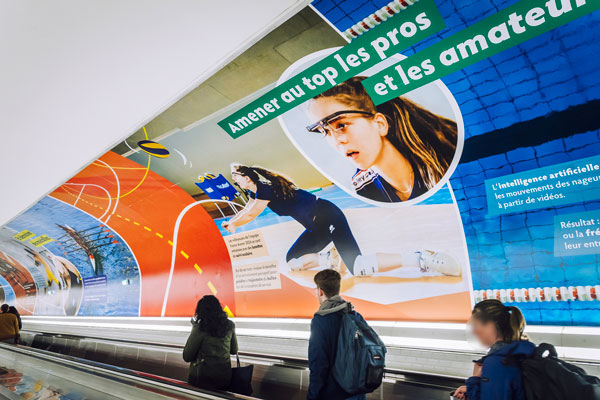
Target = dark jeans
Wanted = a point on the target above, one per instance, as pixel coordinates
(329, 225)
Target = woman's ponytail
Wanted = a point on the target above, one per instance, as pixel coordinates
(516, 322)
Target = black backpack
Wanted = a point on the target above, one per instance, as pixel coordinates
(546, 377)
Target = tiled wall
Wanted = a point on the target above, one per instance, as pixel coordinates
(537, 79)
(548, 73)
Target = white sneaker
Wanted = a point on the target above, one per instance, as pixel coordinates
(295, 264)
(365, 265)
(433, 261)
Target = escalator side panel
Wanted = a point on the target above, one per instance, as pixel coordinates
(276, 381)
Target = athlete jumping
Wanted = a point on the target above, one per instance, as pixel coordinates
(324, 223)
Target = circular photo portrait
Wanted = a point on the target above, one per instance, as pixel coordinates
(399, 152)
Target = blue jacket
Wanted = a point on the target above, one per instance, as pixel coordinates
(500, 374)
(324, 329)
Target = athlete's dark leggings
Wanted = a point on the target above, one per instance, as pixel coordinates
(329, 225)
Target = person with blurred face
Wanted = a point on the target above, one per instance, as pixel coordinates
(499, 328)
(400, 149)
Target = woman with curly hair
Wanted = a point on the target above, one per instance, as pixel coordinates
(209, 346)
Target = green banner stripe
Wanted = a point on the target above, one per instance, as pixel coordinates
(399, 32)
(505, 29)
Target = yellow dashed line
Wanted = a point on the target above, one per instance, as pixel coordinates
(198, 268)
(212, 288)
(183, 253)
(228, 312)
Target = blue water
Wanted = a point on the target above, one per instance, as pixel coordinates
(338, 197)
(118, 261)
(9, 293)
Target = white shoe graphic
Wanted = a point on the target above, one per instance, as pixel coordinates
(365, 265)
(295, 264)
(433, 261)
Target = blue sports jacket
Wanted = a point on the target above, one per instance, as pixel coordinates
(500, 374)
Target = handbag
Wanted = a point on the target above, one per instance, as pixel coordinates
(241, 378)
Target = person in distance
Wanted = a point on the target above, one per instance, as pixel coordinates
(13, 310)
(9, 326)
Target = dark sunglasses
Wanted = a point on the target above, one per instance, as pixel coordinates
(324, 124)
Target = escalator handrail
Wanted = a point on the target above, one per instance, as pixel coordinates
(290, 361)
(123, 374)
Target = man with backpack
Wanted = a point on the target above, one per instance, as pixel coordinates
(345, 356)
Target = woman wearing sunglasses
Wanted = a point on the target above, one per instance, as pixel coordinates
(400, 149)
(324, 223)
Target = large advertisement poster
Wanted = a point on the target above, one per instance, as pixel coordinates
(434, 153)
